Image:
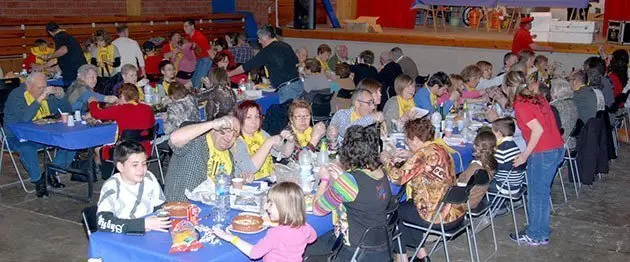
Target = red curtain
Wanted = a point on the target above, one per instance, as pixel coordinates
(392, 13)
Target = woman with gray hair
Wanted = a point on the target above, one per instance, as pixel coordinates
(564, 109)
(82, 89)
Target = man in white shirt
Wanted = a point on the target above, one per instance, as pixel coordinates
(130, 52)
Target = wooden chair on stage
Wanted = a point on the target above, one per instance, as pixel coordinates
(515, 19)
(435, 12)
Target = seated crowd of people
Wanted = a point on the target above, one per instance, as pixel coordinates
(536, 119)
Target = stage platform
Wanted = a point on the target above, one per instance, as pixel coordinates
(449, 37)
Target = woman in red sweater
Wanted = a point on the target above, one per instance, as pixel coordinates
(543, 154)
(129, 114)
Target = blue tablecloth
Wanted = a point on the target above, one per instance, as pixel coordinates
(76, 137)
(154, 246)
(268, 99)
(55, 82)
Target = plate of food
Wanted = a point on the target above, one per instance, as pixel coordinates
(247, 223)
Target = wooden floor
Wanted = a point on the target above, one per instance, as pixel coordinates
(451, 36)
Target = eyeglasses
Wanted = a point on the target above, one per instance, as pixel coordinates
(227, 131)
(370, 103)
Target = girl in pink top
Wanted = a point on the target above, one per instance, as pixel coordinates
(187, 63)
(287, 241)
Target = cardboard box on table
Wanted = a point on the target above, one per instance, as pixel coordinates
(575, 32)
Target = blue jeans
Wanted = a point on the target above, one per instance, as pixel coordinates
(290, 91)
(202, 68)
(30, 160)
(541, 170)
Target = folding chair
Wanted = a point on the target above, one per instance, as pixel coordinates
(454, 196)
(461, 161)
(500, 198)
(142, 135)
(570, 157)
(88, 216)
(320, 105)
(485, 213)
(330, 255)
(6, 148)
(392, 217)
(374, 238)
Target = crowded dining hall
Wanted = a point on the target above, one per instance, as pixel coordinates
(332, 131)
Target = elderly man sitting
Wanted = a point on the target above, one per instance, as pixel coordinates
(361, 113)
(34, 102)
(82, 89)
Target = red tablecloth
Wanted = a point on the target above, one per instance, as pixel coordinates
(392, 13)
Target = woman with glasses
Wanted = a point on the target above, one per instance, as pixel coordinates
(363, 112)
(437, 85)
(305, 135)
(254, 147)
(199, 149)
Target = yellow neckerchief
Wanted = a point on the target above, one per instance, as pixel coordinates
(105, 54)
(43, 110)
(303, 138)
(579, 87)
(441, 142)
(433, 98)
(404, 105)
(468, 87)
(254, 142)
(140, 93)
(39, 52)
(324, 64)
(216, 158)
(166, 86)
(88, 56)
(354, 116)
(177, 57)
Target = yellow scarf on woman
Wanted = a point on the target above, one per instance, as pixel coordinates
(303, 138)
(404, 105)
(216, 158)
(43, 110)
(254, 143)
(434, 99)
(105, 54)
(166, 86)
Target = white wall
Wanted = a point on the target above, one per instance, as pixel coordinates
(431, 59)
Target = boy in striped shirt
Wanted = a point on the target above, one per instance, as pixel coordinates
(508, 179)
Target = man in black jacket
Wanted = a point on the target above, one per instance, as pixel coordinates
(386, 76)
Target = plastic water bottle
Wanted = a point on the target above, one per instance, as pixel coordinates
(322, 156)
(222, 191)
(148, 94)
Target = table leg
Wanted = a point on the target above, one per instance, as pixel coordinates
(89, 176)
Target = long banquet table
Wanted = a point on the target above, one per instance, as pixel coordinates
(154, 246)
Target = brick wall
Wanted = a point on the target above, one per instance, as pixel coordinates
(180, 7)
(39, 8)
(257, 7)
